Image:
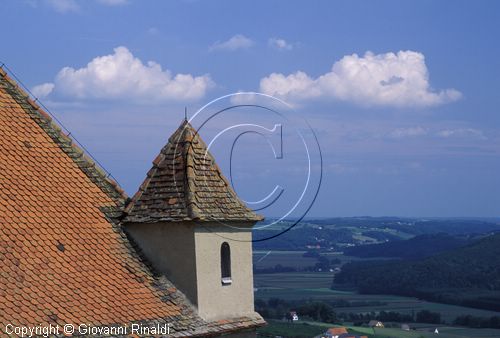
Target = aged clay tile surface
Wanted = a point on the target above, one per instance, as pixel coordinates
(185, 183)
(63, 257)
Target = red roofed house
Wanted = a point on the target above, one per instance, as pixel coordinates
(335, 332)
(339, 332)
(74, 250)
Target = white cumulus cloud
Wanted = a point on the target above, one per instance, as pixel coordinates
(238, 41)
(391, 79)
(42, 90)
(121, 75)
(280, 44)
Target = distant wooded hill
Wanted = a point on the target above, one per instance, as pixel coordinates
(415, 226)
(468, 275)
(337, 233)
(417, 247)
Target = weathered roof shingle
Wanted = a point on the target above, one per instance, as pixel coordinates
(185, 183)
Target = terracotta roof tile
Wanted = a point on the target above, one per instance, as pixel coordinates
(337, 330)
(185, 183)
(63, 256)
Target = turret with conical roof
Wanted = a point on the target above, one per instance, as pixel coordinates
(185, 183)
(192, 227)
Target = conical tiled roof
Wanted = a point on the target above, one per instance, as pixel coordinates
(185, 183)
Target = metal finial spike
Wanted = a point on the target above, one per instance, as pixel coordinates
(185, 113)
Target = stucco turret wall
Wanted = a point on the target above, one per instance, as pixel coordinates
(169, 247)
(189, 255)
(215, 300)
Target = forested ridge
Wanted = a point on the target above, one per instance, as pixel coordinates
(417, 247)
(469, 275)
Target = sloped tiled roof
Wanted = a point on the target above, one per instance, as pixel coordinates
(337, 330)
(63, 258)
(185, 183)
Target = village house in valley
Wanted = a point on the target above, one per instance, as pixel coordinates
(339, 332)
(75, 249)
(375, 323)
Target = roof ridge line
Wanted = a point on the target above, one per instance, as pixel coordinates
(145, 183)
(192, 208)
(93, 170)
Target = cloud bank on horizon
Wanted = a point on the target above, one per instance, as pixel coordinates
(392, 79)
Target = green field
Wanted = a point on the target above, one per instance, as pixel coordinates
(302, 330)
(295, 280)
(316, 286)
(444, 332)
(268, 259)
(295, 259)
(305, 329)
(421, 332)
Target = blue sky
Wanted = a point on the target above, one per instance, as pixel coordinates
(403, 96)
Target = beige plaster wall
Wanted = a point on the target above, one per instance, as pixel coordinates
(189, 255)
(217, 301)
(170, 248)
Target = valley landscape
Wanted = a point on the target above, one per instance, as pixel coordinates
(426, 273)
